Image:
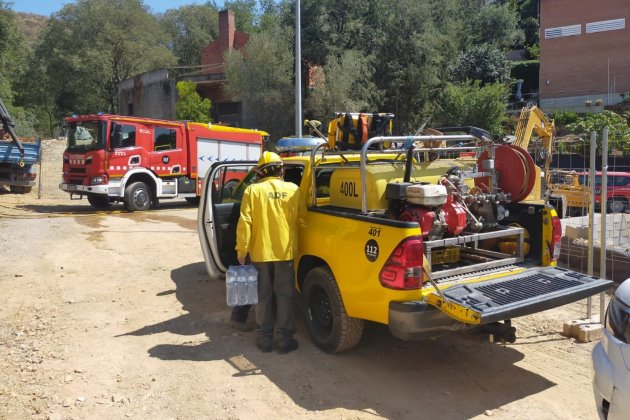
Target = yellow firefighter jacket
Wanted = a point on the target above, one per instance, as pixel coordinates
(268, 224)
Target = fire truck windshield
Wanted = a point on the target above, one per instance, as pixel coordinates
(86, 135)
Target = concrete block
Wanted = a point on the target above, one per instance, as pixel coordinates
(572, 328)
(590, 332)
(576, 232)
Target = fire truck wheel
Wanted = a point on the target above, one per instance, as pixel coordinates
(617, 205)
(138, 197)
(98, 201)
(330, 326)
(193, 200)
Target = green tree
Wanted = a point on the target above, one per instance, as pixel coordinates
(496, 24)
(263, 80)
(618, 129)
(90, 46)
(190, 106)
(13, 56)
(485, 62)
(190, 27)
(421, 40)
(346, 84)
(245, 14)
(470, 103)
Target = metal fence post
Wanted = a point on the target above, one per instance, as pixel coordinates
(591, 218)
(603, 207)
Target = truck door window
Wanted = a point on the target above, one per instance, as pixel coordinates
(164, 139)
(293, 174)
(123, 135)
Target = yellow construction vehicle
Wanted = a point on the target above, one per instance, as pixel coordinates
(560, 186)
(533, 121)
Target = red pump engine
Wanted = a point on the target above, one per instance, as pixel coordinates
(447, 208)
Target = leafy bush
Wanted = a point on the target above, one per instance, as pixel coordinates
(190, 106)
(469, 103)
(564, 117)
(618, 130)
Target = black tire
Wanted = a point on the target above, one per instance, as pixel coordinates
(98, 201)
(19, 189)
(617, 205)
(331, 329)
(138, 197)
(193, 200)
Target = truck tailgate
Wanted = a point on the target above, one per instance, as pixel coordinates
(533, 290)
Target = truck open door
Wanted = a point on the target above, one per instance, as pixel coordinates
(219, 211)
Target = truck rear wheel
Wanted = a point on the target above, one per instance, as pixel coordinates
(138, 197)
(98, 201)
(330, 326)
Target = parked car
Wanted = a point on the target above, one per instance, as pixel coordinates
(618, 192)
(611, 359)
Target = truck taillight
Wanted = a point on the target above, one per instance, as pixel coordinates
(556, 235)
(403, 269)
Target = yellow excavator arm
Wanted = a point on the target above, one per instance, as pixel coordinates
(533, 121)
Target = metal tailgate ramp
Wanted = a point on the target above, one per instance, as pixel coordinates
(525, 293)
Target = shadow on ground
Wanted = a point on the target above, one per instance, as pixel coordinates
(449, 377)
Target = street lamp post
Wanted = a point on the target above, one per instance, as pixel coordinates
(298, 72)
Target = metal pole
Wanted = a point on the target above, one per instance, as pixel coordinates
(39, 178)
(591, 217)
(602, 206)
(298, 72)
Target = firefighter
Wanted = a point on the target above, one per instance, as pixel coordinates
(267, 231)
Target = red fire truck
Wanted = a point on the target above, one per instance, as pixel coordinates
(112, 158)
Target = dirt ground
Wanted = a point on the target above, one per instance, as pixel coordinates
(112, 315)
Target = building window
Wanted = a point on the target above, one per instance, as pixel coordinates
(605, 25)
(563, 31)
(165, 139)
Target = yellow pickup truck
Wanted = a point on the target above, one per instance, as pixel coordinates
(402, 237)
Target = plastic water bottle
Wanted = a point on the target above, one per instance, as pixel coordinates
(241, 285)
(252, 285)
(230, 286)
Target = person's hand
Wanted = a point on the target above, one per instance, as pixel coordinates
(241, 260)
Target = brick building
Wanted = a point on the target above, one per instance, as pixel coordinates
(153, 94)
(211, 78)
(584, 53)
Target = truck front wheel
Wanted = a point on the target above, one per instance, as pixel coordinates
(138, 197)
(330, 326)
(98, 201)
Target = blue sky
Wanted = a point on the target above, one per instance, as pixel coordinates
(47, 7)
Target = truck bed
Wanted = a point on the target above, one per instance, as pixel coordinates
(10, 154)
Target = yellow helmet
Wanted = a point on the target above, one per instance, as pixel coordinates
(269, 159)
(269, 164)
